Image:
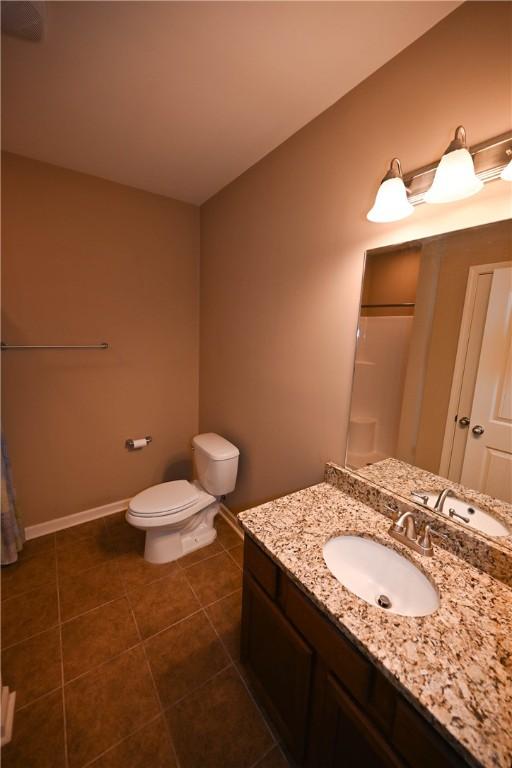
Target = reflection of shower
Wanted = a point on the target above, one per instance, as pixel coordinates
(378, 383)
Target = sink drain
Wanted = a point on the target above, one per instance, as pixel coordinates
(384, 601)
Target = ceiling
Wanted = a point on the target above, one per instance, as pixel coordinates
(181, 98)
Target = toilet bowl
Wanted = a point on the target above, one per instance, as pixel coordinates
(178, 516)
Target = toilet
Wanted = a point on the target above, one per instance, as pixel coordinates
(178, 516)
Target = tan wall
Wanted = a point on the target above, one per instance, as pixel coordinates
(457, 252)
(86, 260)
(282, 246)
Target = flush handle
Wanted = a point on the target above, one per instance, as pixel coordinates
(464, 422)
(478, 430)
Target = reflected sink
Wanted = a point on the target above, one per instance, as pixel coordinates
(380, 576)
(467, 514)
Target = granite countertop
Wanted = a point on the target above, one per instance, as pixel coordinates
(402, 478)
(455, 665)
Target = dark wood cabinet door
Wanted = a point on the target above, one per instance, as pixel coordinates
(347, 738)
(279, 664)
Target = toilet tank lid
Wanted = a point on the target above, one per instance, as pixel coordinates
(215, 446)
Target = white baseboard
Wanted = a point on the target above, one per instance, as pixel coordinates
(230, 518)
(59, 523)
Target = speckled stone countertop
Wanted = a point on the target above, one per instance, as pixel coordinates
(402, 478)
(455, 665)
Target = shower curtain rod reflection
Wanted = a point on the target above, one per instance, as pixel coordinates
(399, 304)
(7, 347)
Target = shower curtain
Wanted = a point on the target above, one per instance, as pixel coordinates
(13, 534)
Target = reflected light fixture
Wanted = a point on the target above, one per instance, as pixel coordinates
(455, 176)
(391, 203)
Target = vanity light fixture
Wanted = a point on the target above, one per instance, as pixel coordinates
(506, 173)
(455, 176)
(391, 203)
(461, 172)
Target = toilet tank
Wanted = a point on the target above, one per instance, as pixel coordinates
(216, 463)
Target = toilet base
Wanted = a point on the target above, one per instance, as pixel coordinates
(165, 544)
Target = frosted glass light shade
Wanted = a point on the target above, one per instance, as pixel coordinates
(455, 178)
(391, 203)
(506, 173)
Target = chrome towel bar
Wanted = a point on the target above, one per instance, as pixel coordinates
(7, 347)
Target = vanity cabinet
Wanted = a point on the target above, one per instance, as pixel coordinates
(332, 707)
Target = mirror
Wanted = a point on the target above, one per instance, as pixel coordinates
(431, 401)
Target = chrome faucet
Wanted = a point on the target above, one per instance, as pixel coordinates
(438, 506)
(404, 531)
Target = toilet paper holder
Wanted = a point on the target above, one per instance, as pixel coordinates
(132, 444)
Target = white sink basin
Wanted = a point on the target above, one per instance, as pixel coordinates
(464, 513)
(380, 576)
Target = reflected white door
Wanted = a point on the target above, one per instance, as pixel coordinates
(487, 463)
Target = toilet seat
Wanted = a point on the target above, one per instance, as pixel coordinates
(164, 499)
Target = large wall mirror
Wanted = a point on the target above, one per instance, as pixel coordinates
(432, 382)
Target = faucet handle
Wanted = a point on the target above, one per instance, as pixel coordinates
(425, 540)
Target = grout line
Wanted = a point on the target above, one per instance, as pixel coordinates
(204, 559)
(102, 664)
(155, 688)
(66, 757)
(200, 686)
(233, 559)
(30, 637)
(90, 610)
(262, 757)
(237, 672)
(38, 698)
(26, 592)
(116, 744)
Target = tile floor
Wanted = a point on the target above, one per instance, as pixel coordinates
(119, 663)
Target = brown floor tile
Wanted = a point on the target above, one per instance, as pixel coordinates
(214, 578)
(225, 617)
(201, 554)
(38, 736)
(136, 571)
(116, 522)
(21, 618)
(124, 536)
(206, 736)
(237, 553)
(83, 554)
(28, 574)
(184, 656)
(225, 533)
(33, 667)
(90, 589)
(107, 705)
(274, 759)
(162, 603)
(97, 636)
(37, 546)
(148, 748)
(90, 529)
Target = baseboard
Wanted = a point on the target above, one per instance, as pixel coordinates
(230, 518)
(60, 523)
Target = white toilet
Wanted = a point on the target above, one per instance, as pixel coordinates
(178, 516)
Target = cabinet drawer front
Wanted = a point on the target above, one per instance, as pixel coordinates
(344, 660)
(279, 664)
(261, 567)
(418, 743)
